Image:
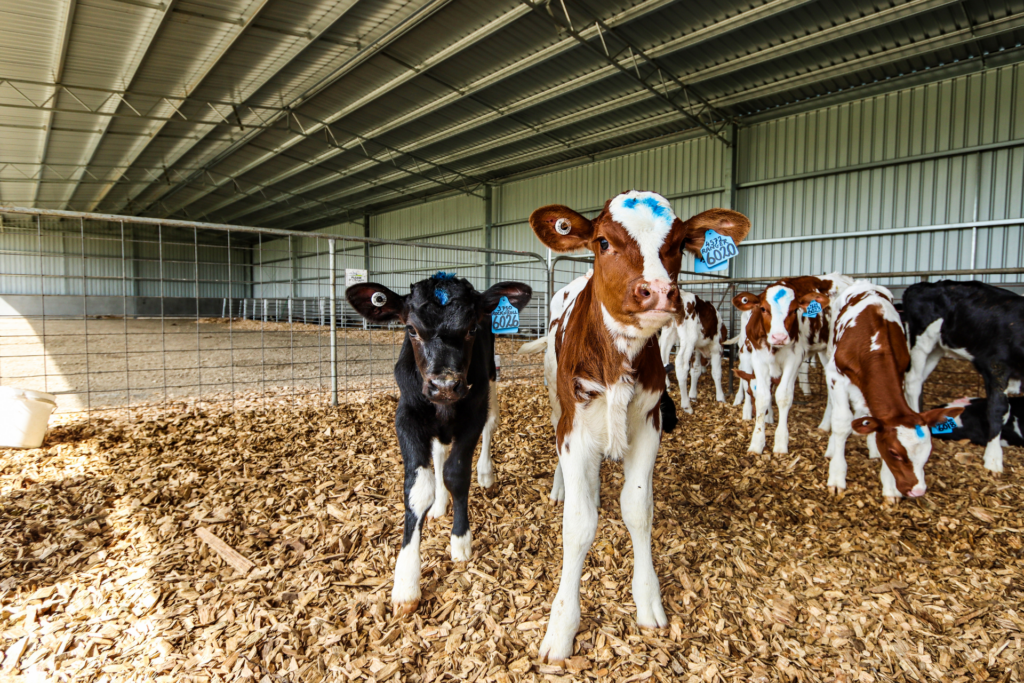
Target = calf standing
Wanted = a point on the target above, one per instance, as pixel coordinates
(699, 330)
(445, 372)
(603, 359)
(867, 359)
(976, 322)
(781, 335)
(972, 424)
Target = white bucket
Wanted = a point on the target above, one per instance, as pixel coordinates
(24, 415)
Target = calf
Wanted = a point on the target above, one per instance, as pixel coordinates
(781, 336)
(976, 322)
(972, 424)
(602, 357)
(445, 372)
(699, 330)
(867, 359)
(748, 383)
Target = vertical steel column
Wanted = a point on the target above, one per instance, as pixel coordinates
(488, 225)
(366, 245)
(729, 182)
(333, 275)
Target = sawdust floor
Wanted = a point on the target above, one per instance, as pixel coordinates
(765, 577)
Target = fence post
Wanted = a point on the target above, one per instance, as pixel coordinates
(488, 226)
(334, 323)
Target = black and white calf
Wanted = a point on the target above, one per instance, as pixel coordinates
(445, 372)
(976, 322)
(972, 424)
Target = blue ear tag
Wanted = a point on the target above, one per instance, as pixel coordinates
(945, 427)
(505, 318)
(813, 309)
(715, 254)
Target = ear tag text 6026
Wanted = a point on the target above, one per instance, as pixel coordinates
(715, 254)
(813, 309)
(505, 318)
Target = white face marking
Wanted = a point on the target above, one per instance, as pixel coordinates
(918, 443)
(779, 300)
(647, 218)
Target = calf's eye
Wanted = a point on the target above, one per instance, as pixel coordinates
(604, 244)
(412, 331)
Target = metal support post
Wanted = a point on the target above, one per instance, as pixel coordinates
(729, 181)
(334, 322)
(488, 225)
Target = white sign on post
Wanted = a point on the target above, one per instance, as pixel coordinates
(355, 276)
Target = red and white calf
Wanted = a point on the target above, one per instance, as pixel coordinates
(699, 330)
(781, 335)
(609, 378)
(868, 358)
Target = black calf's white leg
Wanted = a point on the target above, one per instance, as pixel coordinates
(440, 454)
(484, 466)
(458, 471)
(419, 496)
(998, 407)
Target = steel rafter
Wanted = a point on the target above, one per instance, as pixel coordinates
(699, 110)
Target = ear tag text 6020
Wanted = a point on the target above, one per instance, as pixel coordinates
(505, 318)
(813, 309)
(715, 254)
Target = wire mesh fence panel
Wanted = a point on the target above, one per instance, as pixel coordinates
(108, 314)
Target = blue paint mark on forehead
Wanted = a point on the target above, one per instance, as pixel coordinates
(920, 432)
(779, 294)
(441, 296)
(652, 203)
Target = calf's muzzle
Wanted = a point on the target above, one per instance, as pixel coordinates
(446, 388)
(656, 295)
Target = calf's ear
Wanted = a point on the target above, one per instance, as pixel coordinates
(723, 221)
(561, 229)
(806, 300)
(518, 295)
(744, 301)
(376, 303)
(934, 417)
(866, 425)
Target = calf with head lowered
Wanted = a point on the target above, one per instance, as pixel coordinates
(445, 372)
(868, 357)
(602, 356)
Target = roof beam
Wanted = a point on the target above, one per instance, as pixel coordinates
(683, 42)
(58, 74)
(304, 40)
(1006, 24)
(860, 24)
(476, 36)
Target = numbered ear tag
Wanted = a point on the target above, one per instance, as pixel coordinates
(715, 254)
(379, 299)
(505, 318)
(813, 309)
(563, 226)
(945, 427)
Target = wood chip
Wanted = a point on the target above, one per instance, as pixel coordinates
(241, 564)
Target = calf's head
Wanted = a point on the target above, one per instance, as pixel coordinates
(905, 444)
(778, 309)
(638, 245)
(442, 316)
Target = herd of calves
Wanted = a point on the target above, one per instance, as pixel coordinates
(606, 375)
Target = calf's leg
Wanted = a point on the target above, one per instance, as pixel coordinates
(484, 466)
(458, 471)
(683, 360)
(762, 400)
(784, 399)
(581, 466)
(637, 503)
(716, 373)
(998, 408)
(842, 418)
(440, 455)
(419, 495)
(669, 337)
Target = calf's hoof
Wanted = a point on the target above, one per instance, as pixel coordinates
(555, 649)
(485, 479)
(402, 609)
(836, 490)
(437, 510)
(557, 494)
(688, 410)
(891, 500)
(462, 549)
(651, 615)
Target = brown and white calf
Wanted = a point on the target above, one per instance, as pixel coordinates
(868, 358)
(699, 330)
(781, 336)
(602, 357)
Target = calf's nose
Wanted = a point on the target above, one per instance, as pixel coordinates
(917, 491)
(778, 339)
(656, 295)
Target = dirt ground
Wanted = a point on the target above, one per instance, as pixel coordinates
(765, 576)
(101, 363)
